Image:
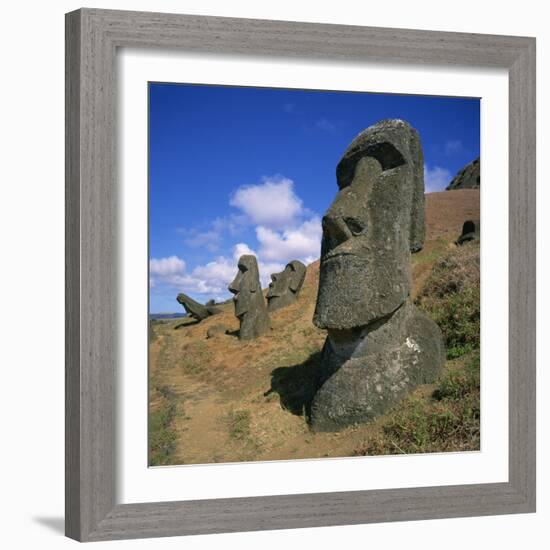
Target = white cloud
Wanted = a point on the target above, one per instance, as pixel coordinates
(166, 266)
(272, 203)
(282, 231)
(302, 243)
(210, 279)
(240, 249)
(436, 178)
(214, 276)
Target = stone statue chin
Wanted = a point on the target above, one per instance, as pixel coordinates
(378, 346)
(249, 301)
(286, 285)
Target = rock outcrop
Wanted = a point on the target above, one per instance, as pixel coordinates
(250, 307)
(285, 286)
(468, 177)
(379, 345)
(196, 310)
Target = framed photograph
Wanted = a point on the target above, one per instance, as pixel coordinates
(300, 275)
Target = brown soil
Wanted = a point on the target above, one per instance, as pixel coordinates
(240, 401)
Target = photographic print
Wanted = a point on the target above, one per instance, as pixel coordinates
(314, 274)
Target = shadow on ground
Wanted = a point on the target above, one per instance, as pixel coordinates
(296, 385)
(57, 525)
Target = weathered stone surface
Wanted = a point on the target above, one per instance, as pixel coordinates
(468, 178)
(250, 307)
(285, 286)
(366, 371)
(216, 330)
(471, 231)
(195, 309)
(379, 345)
(374, 222)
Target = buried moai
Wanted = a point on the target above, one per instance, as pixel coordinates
(195, 310)
(285, 286)
(470, 232)
(249, 301)
(379, 345)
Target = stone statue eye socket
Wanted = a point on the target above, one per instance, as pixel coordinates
(243, 268)
(355, 226)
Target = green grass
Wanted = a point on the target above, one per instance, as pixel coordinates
(460, 383)
(162, 438)
(451, 297)
(448, 420)
(423, 256)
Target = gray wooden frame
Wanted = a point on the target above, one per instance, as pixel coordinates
(92, 38)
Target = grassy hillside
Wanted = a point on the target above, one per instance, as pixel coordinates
(222, 400)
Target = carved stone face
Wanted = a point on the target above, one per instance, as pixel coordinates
(375, 221)
(193, 308)
(279, 283)
(246, 285)
(285, 285)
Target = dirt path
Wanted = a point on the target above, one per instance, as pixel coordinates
(198, 426)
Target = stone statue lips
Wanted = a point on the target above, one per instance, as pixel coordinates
(338, 255)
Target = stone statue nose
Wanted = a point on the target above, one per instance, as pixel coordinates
(336, 229)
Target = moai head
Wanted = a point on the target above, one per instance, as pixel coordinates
(192, 307)
(249, 300)
(286, 285)
(246, 285)
(372, 226)
(470, 232)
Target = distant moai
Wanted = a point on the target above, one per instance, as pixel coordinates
(379, 345)
(471, 231)
(285, 286)
(195, 310)
(249, 301)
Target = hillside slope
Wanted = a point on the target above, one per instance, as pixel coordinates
(222, 400)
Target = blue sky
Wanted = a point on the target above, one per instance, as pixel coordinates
(252, 170)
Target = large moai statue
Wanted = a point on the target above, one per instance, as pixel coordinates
(285, 286)
(249, 301)
(195, 310)
(379, 345)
